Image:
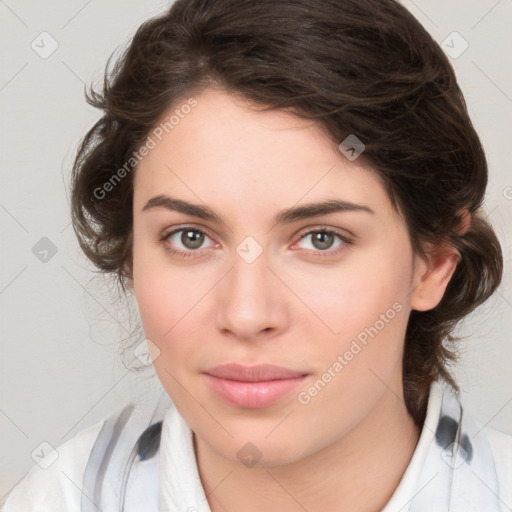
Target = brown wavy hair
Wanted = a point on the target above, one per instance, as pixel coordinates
(363, 67)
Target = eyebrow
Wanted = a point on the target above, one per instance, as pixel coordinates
(283, 217)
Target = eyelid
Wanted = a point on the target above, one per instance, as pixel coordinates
(185, 227)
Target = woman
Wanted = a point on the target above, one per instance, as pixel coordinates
(291, 190)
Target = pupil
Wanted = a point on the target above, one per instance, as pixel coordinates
(192, 239)
(320, 240)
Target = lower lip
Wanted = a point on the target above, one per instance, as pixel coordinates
(253, 395)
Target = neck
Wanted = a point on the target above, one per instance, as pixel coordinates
(359, 472)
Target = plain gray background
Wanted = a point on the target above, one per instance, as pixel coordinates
(60, 365)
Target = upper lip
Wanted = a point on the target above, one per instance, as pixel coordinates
(258, 373)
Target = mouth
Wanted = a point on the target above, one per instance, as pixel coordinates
(252, 387)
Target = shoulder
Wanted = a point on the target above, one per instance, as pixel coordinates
(501, 447)
(54, 484)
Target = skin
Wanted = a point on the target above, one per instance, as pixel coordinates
(294, 306)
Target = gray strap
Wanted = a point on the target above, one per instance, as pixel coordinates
(99, 460)
(122, 471)
(459, 473)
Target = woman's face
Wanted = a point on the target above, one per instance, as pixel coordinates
(253, 278)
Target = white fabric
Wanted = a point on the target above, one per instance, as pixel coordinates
(402, 495)
(58, 488)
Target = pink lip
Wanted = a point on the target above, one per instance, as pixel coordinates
(252, 386)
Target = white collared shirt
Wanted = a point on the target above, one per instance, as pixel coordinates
(63, 486)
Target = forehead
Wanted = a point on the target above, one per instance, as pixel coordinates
(226, 151)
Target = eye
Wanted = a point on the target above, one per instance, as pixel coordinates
(185, 240)
(325, 240)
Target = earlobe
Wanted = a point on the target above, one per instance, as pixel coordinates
(431, 276)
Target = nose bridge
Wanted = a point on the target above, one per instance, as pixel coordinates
(250, 299)
(249, 278)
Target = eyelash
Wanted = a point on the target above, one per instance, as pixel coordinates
(321, 229)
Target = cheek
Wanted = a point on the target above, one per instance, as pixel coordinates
(153, 295)
(167, 305)
(367, 311)
(352, 296)
(155, 290)
(163, 293)
(170, 301)
(364, 304)
(168, 321)
(376, 321)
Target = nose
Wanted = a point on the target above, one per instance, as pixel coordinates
(251, 302)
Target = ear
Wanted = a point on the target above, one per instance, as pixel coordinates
(432, 275)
